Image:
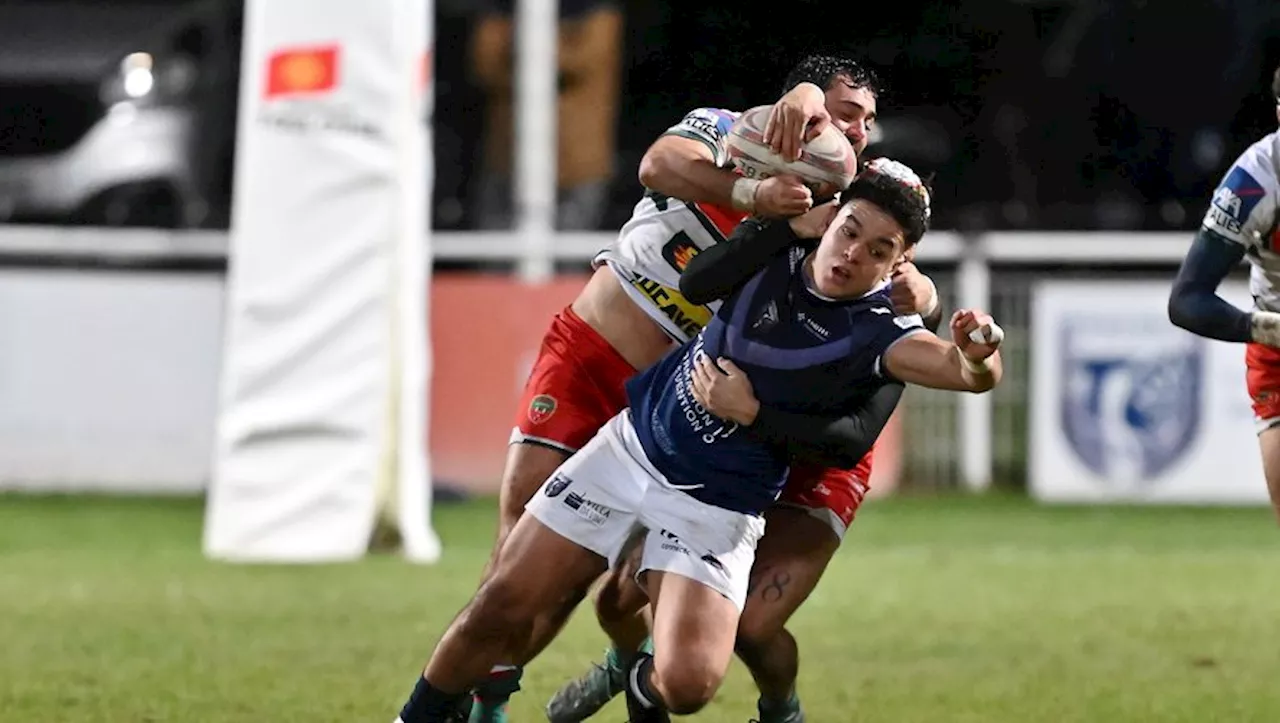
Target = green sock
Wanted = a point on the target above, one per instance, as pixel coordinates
(613, 657)
(789, 705)
(492, 696)
(617, 660)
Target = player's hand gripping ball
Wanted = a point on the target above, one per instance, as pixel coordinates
(796, 118)
(827, 163)
(783, 196)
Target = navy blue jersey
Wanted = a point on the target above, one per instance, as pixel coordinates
(803, 353)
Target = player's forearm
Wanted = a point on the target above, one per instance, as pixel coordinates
(828, 440)
(715, 272)
(832, 443)
(684, 171)
(1194, 303)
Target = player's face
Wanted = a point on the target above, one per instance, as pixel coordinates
(859, 250)
(853, 111)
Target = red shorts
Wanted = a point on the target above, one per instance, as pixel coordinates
(1263, 380)
(831, 495)
(576, 385)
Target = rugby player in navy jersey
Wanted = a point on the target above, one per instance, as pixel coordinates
(808, 522)
(815, 333)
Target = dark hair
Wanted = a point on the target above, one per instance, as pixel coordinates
(899, 191)
(1275, 85)
(823, 70)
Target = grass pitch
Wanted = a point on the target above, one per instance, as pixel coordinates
(939, 609)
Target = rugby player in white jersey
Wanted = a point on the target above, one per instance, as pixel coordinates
(627, 317)
(1243, 221)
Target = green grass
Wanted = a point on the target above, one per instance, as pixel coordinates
(937, 609)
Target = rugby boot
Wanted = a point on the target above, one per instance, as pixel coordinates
(583, 697)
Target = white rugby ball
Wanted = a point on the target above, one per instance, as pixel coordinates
(827, 162)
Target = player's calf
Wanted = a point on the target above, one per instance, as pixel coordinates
(1269, 443)
(619, 605)
(793, 554)
(527, 469)
(534, 569)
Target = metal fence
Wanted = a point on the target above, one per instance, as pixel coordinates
(952, 439)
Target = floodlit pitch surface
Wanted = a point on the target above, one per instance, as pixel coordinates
(937, 609)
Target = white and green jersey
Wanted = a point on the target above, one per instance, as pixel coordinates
(663, 233)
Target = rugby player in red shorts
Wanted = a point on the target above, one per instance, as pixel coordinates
(1243, 222)
(626, 319)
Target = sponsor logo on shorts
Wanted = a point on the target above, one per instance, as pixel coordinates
(713, 562)
(593, 512)
(673, 543)
(541, 408)
(556, 485)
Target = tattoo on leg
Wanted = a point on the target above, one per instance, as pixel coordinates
(771, 584)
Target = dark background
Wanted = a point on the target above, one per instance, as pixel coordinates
(1110, 114)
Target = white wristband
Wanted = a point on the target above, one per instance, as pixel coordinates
(1265, 328)
(744, 194)
(976, 367)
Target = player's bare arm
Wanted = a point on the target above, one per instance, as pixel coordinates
(685, 168)
(965, 365)
(688, 169)
(840, 441)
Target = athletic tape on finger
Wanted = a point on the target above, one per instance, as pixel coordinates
(987, 334)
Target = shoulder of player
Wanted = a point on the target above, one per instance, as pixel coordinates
(1259, 163)
(709, 119)
(713, 112)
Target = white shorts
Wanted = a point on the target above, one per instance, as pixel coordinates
(607, 492)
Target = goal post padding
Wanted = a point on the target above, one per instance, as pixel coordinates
(321, 429)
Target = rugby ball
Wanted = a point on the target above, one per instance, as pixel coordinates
(827, 163)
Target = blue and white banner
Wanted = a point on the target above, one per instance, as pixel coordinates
(1126, 407)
